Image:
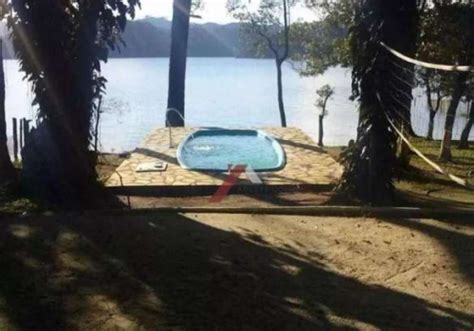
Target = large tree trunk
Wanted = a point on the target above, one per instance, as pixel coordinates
(460, 86)
(7, 171)
(464, 141)
(178, 56)
(399, 100)
(370, 164)
(281, 105)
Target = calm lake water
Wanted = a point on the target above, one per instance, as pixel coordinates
(225, 92)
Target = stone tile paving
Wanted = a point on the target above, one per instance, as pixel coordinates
(306, 163)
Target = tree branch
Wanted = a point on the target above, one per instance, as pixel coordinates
(269, 42)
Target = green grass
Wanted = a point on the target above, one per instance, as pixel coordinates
(462, 162)
(421, 185)
(425, 185)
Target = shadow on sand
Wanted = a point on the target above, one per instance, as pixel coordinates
(164, 271)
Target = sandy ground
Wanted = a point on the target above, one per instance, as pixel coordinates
(235, 272)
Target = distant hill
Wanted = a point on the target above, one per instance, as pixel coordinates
(151, 37)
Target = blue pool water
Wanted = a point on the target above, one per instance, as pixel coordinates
(216, 149)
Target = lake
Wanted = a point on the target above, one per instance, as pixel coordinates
(224, 92)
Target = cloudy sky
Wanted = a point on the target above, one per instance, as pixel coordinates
(213, 11)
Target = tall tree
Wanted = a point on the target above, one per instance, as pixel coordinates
(323, 44)
(331, 45)
(370, 163)
(178, 57)
(435, 91)
(268, 29)
(60, 45)
(7, 171)
(448, 36)
(459, 89)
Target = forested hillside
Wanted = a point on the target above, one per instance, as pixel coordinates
(150, 37)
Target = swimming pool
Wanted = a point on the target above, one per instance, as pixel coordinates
(216, 149)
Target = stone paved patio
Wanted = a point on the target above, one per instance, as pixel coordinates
(306, 163)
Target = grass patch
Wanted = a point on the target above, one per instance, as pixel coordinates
(421, 185)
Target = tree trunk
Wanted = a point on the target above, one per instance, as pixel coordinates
(7, 171)
(57, 164)
(321, 131)
(445, 152)
(429, 135)
(178, 56)
(281, 104)
(370, 163)
(464, 141)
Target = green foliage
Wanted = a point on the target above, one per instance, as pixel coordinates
(60, 45)
(317, 46)
(326, 43)
(447, 33)
(446, 36)
(264, 27)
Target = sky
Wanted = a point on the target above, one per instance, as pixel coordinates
(213, 11)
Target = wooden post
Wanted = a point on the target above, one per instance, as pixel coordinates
(21, 134)
(15, 139)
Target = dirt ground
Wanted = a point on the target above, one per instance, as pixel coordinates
(235, 272)
(233, 200)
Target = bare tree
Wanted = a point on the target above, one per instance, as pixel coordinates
(457, 20)
(267, 27)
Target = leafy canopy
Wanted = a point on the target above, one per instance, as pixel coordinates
(53, 35)
(264, 26)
